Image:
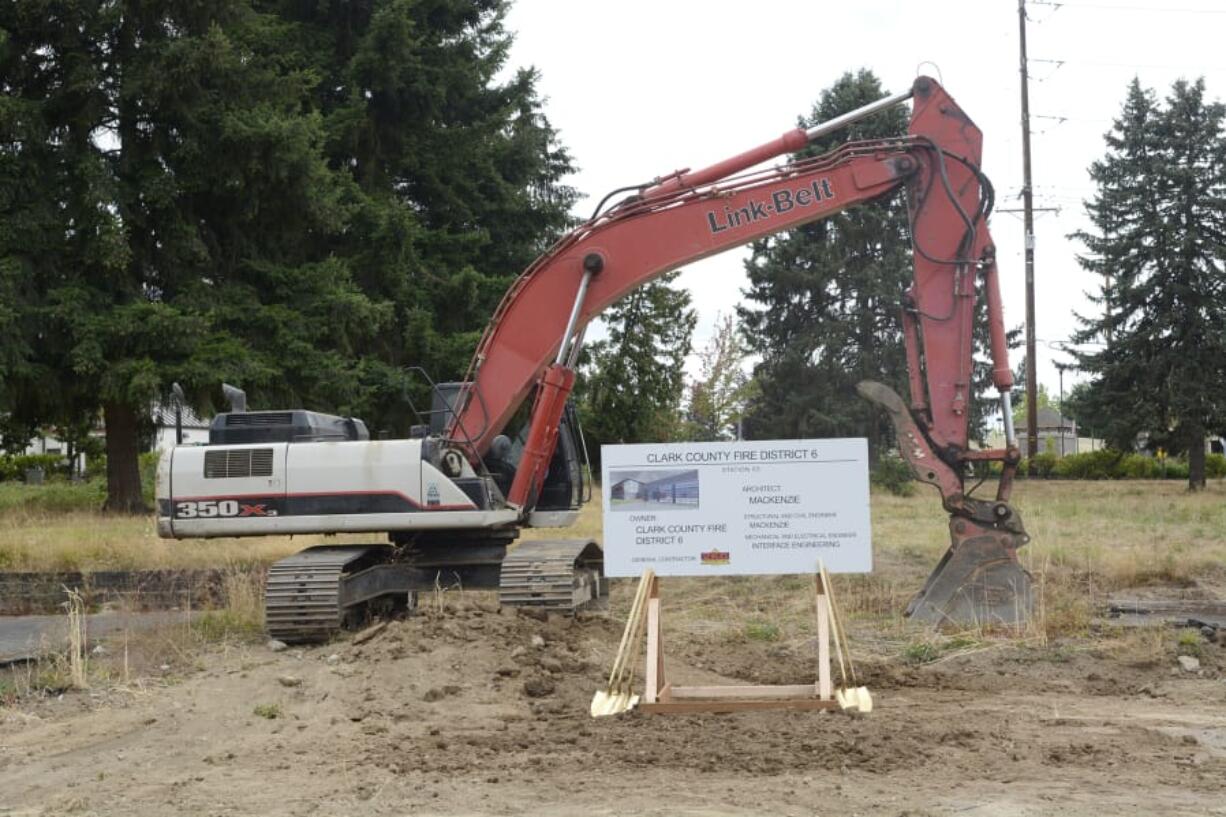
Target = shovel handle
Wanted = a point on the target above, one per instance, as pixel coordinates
(840, 632)
(636, 612)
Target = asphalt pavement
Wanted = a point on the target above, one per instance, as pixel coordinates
(24, 637)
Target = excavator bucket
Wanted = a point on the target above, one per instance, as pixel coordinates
(978, 581)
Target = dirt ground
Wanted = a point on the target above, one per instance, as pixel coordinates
(465, 711)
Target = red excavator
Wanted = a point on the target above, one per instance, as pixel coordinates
(456, 494)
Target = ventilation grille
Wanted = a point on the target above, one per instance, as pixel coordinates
(266, 418)
(244, 462)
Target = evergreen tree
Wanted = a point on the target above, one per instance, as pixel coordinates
(718, 398)
(458, 179)
(1159, 245)
(172, 224)
(826, 299)
(298, 198)
(632, 386)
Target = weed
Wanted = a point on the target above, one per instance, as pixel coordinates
(961, 642)
(242, 617)
(762, 631)
(78, 661)
(223, 625)
(1189, 643)
(921, 652)
(8, 691)
(269, 711)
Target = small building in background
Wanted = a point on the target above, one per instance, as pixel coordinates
(1057, 434)
(195, 428)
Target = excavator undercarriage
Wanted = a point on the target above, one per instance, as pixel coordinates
(316, 593)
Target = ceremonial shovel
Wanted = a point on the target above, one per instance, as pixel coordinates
(617, 696)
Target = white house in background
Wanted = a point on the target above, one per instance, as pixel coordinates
(1057, 434)
(195, 428)
(195, 431)
(50, 444)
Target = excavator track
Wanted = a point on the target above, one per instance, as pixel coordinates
(563, 575)
(302, 593)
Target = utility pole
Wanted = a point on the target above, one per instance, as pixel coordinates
(1032, 378)
(1060, 367)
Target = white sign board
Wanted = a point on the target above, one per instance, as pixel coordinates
(736, 508)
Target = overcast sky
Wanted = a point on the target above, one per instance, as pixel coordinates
(641, 88)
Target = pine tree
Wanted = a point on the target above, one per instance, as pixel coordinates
(173, 225)
(1159, 245)
(632, 385)
(298, 198)
(457, 177)
(826, 299)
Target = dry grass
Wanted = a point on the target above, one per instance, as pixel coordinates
(89, 541)
(1089, 539)
(134, 659)
(78, 660)
(1107, 534)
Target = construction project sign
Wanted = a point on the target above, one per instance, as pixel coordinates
(736, 508)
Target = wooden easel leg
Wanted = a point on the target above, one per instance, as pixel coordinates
(824, 689)
(655, 646)
(660, 696)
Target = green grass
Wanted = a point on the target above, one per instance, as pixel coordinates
(762, 631)
(52, 497)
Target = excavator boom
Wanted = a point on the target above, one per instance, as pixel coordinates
(531, 344)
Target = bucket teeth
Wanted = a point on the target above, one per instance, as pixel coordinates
(978, 582)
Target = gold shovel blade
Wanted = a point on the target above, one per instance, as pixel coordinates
(855, 699)
(606, 703)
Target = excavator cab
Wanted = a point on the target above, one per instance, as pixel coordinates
(567, 484)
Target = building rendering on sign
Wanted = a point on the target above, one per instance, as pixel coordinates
(642, 489)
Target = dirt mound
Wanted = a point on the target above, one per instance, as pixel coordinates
(478, 711)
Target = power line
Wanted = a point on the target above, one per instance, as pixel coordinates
(1115, 7)
(1060, 119)
(1105, 64)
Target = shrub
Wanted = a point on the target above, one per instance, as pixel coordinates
(894, 475)
(1045, 464)
(1215, 466)
(1101, 464)
(1175, 469)
(1108, 464)
(95, 466)
(14, 467)
(1139, 466)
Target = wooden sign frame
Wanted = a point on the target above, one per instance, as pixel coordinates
(663, 697)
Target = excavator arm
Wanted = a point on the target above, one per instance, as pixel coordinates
(531, 345)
